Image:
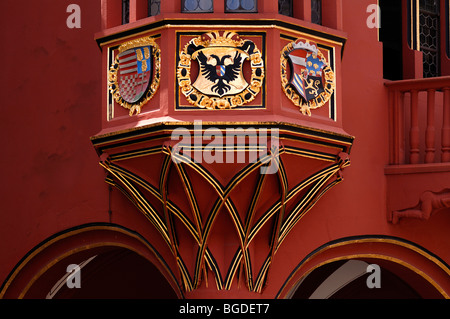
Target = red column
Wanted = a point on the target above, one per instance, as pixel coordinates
(219, 6)
(170, 6)
(138, 9)
(332, 14)
(111, 13)
(267, 6)
(302, 10)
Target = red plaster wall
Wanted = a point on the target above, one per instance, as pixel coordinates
(51, 88)
(51, 85)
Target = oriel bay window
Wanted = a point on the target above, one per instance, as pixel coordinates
(285, 7)
(429, 25)
(139, 9)
(316, 11)
(241, 6)
(427, 30)
(127, 11)
(154, 7)
(197, 6)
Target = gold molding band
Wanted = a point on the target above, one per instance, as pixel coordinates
(337, 38)
(164, 127)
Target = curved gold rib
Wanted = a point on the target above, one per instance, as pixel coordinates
(314, 186)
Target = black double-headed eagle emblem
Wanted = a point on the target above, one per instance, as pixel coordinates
(220, 70)
(220, 82)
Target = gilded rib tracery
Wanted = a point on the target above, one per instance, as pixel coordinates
(289, 205)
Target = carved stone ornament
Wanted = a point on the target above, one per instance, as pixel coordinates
(311, 82)
(429, 203)
(220, 83)
(134, 76)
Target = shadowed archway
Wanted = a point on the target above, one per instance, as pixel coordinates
(113, 262)
(117, 273)
(347, 279)
(339, 269)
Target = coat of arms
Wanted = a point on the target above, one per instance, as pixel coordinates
(311, 81)
(220, 82)
(134, 75)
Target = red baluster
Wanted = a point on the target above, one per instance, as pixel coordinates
(430, 131)
(401, 127)
(392, 127)
(414, 131)
(445, 157)
(397, 128)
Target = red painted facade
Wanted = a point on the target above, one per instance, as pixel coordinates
(365, 178)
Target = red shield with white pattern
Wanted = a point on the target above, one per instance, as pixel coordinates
(135, 73)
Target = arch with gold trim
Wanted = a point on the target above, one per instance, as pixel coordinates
(400, 252)
(87, 238)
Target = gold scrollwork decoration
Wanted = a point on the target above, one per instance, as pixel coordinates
(217, 88)
(320, 90)
(147, 53)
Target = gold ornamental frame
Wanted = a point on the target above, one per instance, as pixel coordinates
(113, 84)
(214, 39)
(329, 85)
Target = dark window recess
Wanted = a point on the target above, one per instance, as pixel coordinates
(391, 35)
(197, 6)
(154, 7)
(243, 6)
(316, 11)
(429, 37)
(447, 28)
(125, 11)
(285, 7)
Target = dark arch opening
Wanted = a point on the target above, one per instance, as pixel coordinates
(391, 35)
(108, 273)
(354, 286)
